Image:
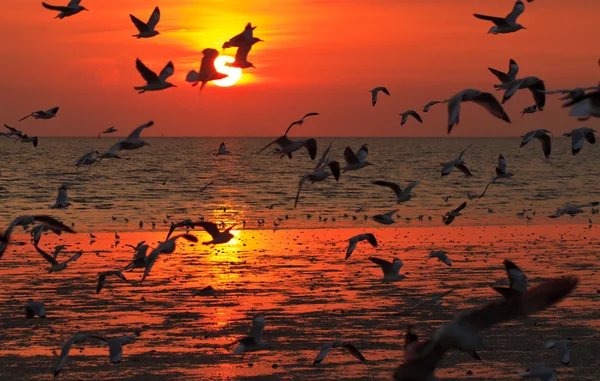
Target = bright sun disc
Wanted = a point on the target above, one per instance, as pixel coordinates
(234, 73)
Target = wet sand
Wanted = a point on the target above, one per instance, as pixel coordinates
(309, 295)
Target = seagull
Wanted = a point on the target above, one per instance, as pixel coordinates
(222, 150)
(61, 199)
(139, 260)
(40, 114)
(78, 338)
(570, 210)
(132, 141)
(385, 218)
(207, 71)
(338, 344)
(253, 342)
(89, 158)
(352, 242)
(463, 332)
(441, 256)
(241, 55)
(154, 82)
(356, 161)
(56, 226)
(71, 9)
(287, 146)
(247, 36)
(486, 100)
(12, 131)
(585, 106)
(166, 247)
(402, 195)
(218, 237)
(110, 130)
(55, 265)
(391, 270)
(102, 276)
(446, 198)
(511, 75)
(451, 215)
(146, 30)
(535, 85)
(300, 122)
(319, 174)
(412, 113)
(543, 137)
(517, 281)
(459, 163)
(540, 372)
(375, 91)
(432, 103)
(26, 139)
(529, 110)
(562, 347)
(506, 24)
(115, 345)
(578, 138)
(33, 309)
(572, 94)
(187, 223)
(500, 173)
(324, 157)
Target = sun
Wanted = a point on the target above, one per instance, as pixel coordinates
(234, 73)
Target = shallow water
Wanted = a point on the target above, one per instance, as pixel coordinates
(245, 183)
(309, 295)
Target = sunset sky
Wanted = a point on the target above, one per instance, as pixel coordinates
(318, 55)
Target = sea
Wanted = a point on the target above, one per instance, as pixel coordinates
(161, 183)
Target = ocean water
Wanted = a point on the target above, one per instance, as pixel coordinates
(246, 183)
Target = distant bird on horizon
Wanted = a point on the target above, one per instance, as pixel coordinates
(40, 114)
(147, 29)
(154, 82)
(486, 100)
(300, 122)
(70, 9)
(207, 71)
(579, 137)
(542, 136)
(375, 91)
(506, 24)
(412, 113)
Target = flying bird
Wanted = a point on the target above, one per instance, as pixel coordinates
(375, 91)
(385, 218)
(585, 106)
(338, 344)
(55, 265)
(207, 71)
(222, 150)
(412, 113)
(511, 75)
(356, 161)
(88, 159)
(218, 237)
(486, 100)
(40, 114)
(287, 146)
(147, 29)
(529, 110)
(402, 194)
(166, 247)
(431, 103)
(391, 270)
(500, 173)
(517, 281)
(571, 94)
(61, 199)
(300, 122)
(26, 139)
(542, 136)
(154, 82)
(53, 224)
(241, 55)
(245, 37)
(352, 242)
(132, 141)
(110, 130)
(253, 342)
(12, 131)
(102, 277)
(535, 85)
(457, 163)
(441, 256)
(70, 9)
(578, 138)
(506, 24)
(451, 215)
(331, 168)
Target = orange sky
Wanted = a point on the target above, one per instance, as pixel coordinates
(318, 55)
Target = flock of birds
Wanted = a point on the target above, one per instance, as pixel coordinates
(421, 357)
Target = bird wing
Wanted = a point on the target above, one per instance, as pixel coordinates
(577, 140)
(499, 21)
(386, 266)
(453, 112)
(74, 257)
(280, 141)
(535, 299)
(415, 115)
(538, 91)
(518, 9)
(211, 228)
(516, 277)
(460, 207)
(486, 188)
(154, 18)
(241, 54)
(350, 157)
(59, 8)
(502, 164)
(323, 158)
(115, 350)
(503, 77)
(463, 151)
(385, 90)
(302, 180)
(135, 134)
(11, 129)
(139, 24)
(148, 75)
(491, 104)
(61, 199)
(362, 153)
(513, 70)
(290, 127)
(546, 144)
(64, 353)
(323, 353)
(370, 237)
(101, 279)
(46, 256)
(167, 71)
(352, 242)
(463, 168)
(310, 114)
(353, 351)
(590, 137)
(74, 3)
(393, 186)
(53, 110)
